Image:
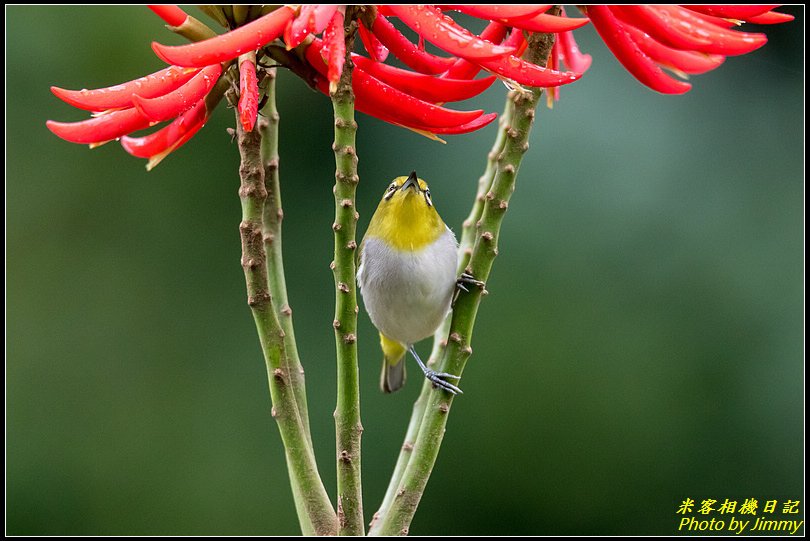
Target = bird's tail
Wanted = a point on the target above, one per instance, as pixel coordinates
(393, 372)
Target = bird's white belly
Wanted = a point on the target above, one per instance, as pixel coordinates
(408, 294)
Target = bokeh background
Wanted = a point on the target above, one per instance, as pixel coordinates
(642, 342)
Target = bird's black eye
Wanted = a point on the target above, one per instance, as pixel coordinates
(392, 189)
(428, 200)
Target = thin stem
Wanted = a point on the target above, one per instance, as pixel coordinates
(347, 413)
(273, 216)
(193, 29)
(319, 517)
(440, 337)
(398, 517)
(471, 224)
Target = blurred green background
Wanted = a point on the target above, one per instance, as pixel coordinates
(642, 342)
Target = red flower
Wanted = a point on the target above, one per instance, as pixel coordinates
(685, 40)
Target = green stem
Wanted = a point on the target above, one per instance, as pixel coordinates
(440, 337)
(273, 216)
(398, 517)
(470, 226)
(193, 29)
(347, 413)
(307, 486)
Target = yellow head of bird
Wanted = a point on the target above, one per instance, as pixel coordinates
(406, 218)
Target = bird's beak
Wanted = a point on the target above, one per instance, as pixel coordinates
(411, 182)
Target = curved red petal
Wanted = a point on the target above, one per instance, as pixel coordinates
(721, 40)
(573, 58)
(430, 23)
(630, 55)
(119, 96)
(771, 17)
(320, 17)
(690, 62)
(102, 128)
(334, 48)
(170, 137)
(464, 69)
(377, 97)
(658, 25)
(741, 12)
(376, 50)
(476, 124)
(173, 15)
(174, 103)
(227, 46)
(424, 87)
(508, 11)
(407, 52)
(525, 73)
(547, 23)
(297, 29)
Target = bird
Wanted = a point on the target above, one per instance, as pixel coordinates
(407, 277)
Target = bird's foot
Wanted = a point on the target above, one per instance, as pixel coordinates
(468, 279)
(438, 379)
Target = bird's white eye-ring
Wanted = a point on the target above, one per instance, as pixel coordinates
(428, 200)
(392, 189)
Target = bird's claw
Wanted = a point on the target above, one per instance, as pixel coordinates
(468, 279)
(436, 379)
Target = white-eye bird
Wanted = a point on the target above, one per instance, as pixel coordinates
(407, 276)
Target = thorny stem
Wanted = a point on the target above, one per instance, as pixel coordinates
(304, 478)
(273, 216)
(398, 517)
(348, 427)
(471, 224)
(468, 235)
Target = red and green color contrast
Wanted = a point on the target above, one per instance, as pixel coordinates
(660, 45)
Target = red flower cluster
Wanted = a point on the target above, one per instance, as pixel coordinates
(686, 40)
